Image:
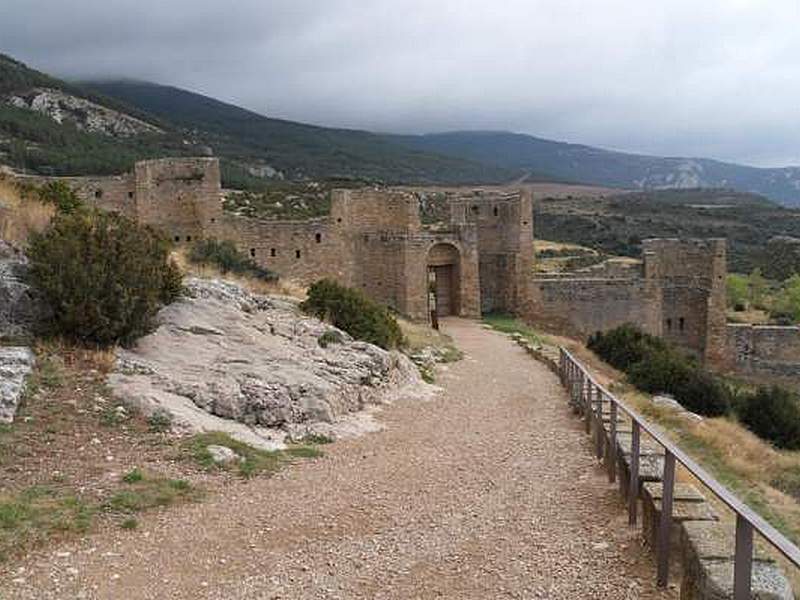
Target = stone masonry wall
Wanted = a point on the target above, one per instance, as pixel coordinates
(763, 351)
(182, 196)
(692, 275)
(583, 306)
(505, 240)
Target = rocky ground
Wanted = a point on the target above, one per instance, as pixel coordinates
(486, 491)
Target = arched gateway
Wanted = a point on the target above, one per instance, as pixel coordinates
(444, 279)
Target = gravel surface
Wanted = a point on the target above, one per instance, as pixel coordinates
(488, 491)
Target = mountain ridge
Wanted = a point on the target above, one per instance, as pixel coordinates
(38, 133)
(591, 165)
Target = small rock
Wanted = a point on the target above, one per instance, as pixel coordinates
(222, 455)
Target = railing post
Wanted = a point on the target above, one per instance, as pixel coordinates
(597, 408)
(633, 484)
(743, 559)
(587, 410)
(665, 524)
(611, 448)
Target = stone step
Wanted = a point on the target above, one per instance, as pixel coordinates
(707, 552)
(685, 492)
(651, 468)
(682, 510)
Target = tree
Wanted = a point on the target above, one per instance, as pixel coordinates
(738, 291)
(787, 303)
(757, 286)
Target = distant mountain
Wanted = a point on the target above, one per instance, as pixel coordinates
(296, 150)
(585, 164)
(53, 127)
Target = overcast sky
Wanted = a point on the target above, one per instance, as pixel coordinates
(715, 78)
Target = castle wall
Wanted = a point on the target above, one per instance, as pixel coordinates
(372, 241)
(303, 251)
(114, 193)
(764, 352)
(584, 306)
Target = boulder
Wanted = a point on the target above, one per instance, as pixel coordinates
(255, 360)
(19, 308)
(16, 364)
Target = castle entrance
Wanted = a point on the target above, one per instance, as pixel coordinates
(443, 290)
(443, 280)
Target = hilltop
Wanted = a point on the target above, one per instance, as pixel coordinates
(54, 127)
(616, 224)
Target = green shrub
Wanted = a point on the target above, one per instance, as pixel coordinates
(738, 290)
(654, 366)
(353, 312)
(704, 394)
(61, 196)
(226, 257)
(773, 414)
(103, 275)
(660, 372)
(624, 346)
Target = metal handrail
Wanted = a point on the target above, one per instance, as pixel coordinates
(571, 372)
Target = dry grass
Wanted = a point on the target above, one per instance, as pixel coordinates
(281, 287)
(540, 245)
(419, 336)
(752, 316)
(19, 216)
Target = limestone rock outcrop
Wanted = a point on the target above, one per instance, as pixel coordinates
(16, 364)
(255, 360)
(19, 308)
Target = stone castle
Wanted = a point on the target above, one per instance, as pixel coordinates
(480, 261)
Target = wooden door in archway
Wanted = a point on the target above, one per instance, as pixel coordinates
(445, 290)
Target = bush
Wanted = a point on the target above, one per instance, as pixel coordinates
(773, 414)
(226, 257)
(655, 367)
(624, 346)
(60, 195)
(103, 275)
(354, 313)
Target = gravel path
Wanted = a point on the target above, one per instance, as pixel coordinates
(488, 491)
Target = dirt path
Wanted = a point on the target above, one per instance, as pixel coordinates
(488, 491)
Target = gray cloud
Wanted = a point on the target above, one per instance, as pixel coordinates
(718, 78)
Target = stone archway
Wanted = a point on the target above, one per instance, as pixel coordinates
(444, 279)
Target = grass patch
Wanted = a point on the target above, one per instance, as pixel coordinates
(317, 439)
(129, 523)
(160, 421)
(48, 374)
(254, 461)
(508, 324)
(30, 517)
(303, 452)
(143, 491)
(788, 481)
(134, 476)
